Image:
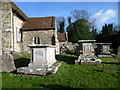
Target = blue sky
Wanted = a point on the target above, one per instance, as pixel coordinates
(103, 12)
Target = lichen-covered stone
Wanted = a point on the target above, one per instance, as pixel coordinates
(7, 62)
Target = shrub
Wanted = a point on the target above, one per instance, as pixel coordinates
(70, 51)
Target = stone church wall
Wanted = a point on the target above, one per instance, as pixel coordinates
(5, 37)
(5, 11)
(45, 37)
(17, 26)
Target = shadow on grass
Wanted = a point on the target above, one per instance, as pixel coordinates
(54, 86)
(98, 70)
(21, 62)
(68, 59)
(111, 63)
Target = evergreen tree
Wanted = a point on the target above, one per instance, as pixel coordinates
(80, 29)
(79, 26)
(94, 33)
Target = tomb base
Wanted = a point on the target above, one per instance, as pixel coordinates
(87, 60)
(41, 70)
(105, 56)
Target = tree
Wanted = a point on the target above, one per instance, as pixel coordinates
(93, 33)
(80, 26)
(61, 24)
(109, 29)
(80, 29)
(110, 34)
(80, 14)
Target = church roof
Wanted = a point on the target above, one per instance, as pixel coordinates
(18, 11)
(39, 23)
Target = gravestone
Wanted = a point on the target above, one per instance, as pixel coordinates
(42, 60)
(118, 52)
(103, 49)
(7, 62)
(87, 55)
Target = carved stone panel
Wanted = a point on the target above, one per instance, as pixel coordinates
(87, 48)
(39, 56)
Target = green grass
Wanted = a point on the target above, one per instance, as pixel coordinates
(69, 76)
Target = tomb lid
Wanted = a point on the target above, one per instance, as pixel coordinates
(103, 43)
(41, 45)
(84, 41)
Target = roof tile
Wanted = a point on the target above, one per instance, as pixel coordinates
(39, 23)
(62, 37)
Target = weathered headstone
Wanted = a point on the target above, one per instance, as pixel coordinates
(42, 60)
(118, 52)
(8, 62)
(103, 49)
(87, 55)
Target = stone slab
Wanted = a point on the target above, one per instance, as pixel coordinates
(39, 70)
(86, 41)
(105, 56)
(32, 70)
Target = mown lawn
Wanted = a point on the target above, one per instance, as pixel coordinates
(105, 75)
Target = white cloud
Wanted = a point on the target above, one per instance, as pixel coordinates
(102, 17)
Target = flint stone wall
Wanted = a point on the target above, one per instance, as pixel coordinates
(5, 40)
(5, 12)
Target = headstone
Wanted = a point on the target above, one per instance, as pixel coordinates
(103, 49)
(8, 63)
(42, 60)
(87, 55)
(118, 52)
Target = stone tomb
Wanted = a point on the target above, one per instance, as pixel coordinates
(42, 60)
(87, 55)
(86, 47)
(103, 49)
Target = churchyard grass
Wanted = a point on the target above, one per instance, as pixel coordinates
(69, 75)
